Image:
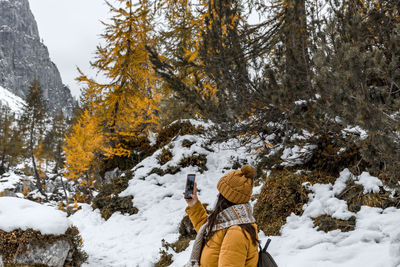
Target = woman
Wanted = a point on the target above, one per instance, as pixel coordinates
(228, 237)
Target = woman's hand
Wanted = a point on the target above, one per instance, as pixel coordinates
(194, 200)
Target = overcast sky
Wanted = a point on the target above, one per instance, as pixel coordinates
(70, 29)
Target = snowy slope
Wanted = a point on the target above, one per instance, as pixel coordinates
(136, 240)
(15, 103)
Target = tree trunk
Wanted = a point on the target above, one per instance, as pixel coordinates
(39, 184)
(297, 57)
(63, 186)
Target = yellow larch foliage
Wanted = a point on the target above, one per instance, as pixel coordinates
(186, 26)
(127, 105)
(82, 146)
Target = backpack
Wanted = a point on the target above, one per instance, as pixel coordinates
(264, 258)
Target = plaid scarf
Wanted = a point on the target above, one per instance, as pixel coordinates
(234, 215)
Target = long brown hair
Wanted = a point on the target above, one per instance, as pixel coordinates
(222, 204)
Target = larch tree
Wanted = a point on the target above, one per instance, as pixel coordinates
(82, 148)
(204, 63)
(127, 105)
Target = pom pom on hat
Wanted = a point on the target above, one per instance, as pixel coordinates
(248, 171)
(237, 186)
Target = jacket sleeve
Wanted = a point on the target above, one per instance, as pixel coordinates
(234, 248)
(198, 215)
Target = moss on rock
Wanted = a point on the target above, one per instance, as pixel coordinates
(18, 240)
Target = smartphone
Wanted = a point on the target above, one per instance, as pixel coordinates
(189, 185)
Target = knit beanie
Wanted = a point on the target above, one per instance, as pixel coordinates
(237, 186)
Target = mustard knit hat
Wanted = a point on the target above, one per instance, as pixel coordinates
(237, 186)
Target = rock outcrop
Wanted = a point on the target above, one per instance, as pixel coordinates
(51, 255)
(23, 57)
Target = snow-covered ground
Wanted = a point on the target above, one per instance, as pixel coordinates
(135, 240)
(15, 103)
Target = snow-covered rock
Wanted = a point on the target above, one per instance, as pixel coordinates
(16, 213)
(51, 255)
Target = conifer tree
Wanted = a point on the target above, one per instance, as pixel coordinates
(206, 67)
(32, 124)
(358, 76)
(11, 139)
(6, 121)
(59, 130)
(127, 105)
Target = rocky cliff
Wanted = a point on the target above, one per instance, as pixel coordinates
(24, 57)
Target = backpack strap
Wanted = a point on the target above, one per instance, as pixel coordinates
(266, 245)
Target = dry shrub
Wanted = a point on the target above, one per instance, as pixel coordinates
(354, 195)
(326, 223)
(166, 134)
(164, 157)
(187, 143)
(195, 160)
(281, 195)
(107, 200)
(11, 241)
(269, 162)
(165, 259)
(327, 155)
(186, 228)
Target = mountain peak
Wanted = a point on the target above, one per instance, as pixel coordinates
(23, 57)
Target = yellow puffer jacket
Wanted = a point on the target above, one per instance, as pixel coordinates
(227, 247)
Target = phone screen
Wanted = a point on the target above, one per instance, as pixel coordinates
(189, 185)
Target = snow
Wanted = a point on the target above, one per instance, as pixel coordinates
(135, 240)
(8, 181)
(10, 100)
(374, 242)
(17, 213)
(370, 183)
(356, 130)
(295, 155)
